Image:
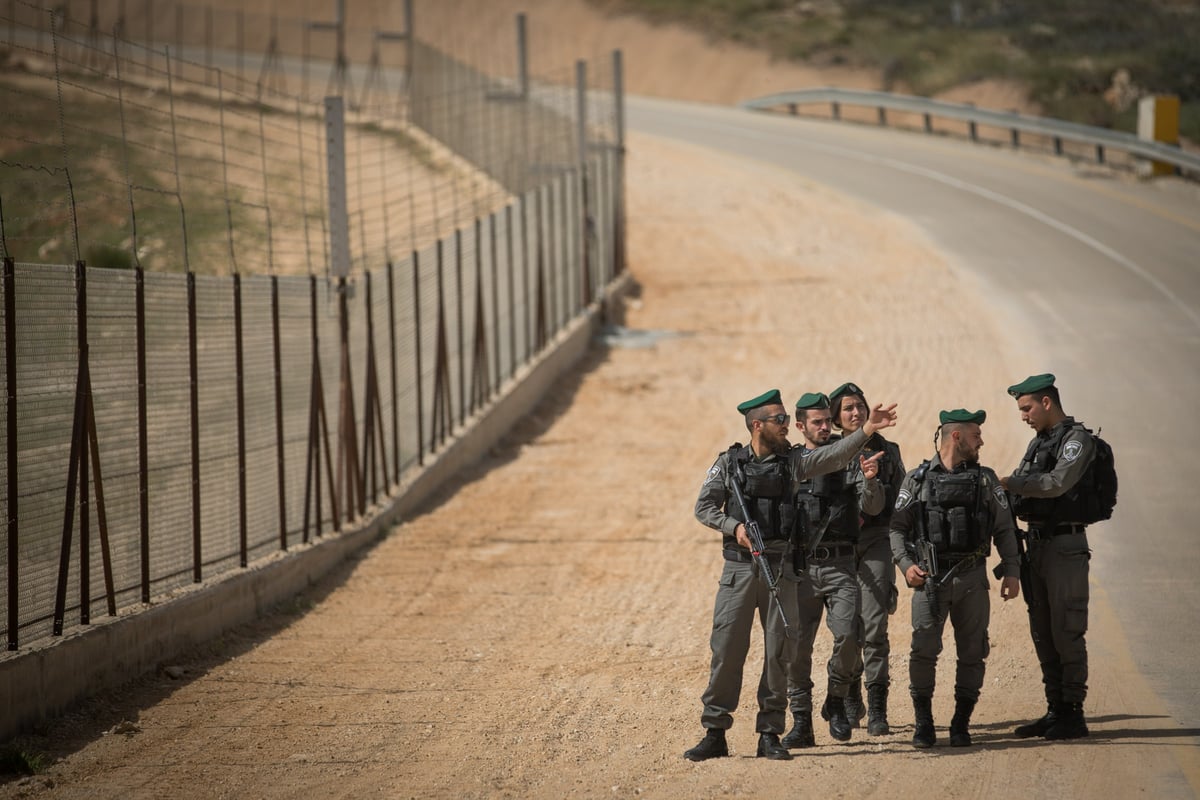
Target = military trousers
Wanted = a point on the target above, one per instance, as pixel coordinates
(877, 586)
(741, 595)
(964, 602)
(1058, 614)
(831, 589)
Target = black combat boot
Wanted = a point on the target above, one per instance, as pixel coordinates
(877, 721)
(839, 726)
(770, 747)
(1070, 724)
(960, 736)
(711, 746)
(855, 710)
(1039, 726)
(801, 734)
(923, 732)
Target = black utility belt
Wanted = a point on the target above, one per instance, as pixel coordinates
(948, 560)
(1037, 533)
(826, 552)
(744, 557)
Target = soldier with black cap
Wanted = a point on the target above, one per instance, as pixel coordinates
(828, 508)
(949, 511)
(876, 571)
(766, 471)
(1044, 491)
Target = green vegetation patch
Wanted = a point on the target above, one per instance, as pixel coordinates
(1066, 51)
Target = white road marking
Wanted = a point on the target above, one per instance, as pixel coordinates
(995, 197)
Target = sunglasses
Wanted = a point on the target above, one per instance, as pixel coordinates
(778, 419)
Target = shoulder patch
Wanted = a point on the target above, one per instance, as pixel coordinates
(1071, 450)
(902, 499)
(714, 473)
(1001, 497)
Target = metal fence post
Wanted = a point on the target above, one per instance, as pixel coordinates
(143, 436)
(10, 375)
(240, 395)
(585, 215)
(194, 404)
(619, 190)
(522, 58)
(339, 216)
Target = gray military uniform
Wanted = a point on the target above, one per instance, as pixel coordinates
(832, 590)
(964, 599)
(741, 594)
(1058, 560)
(876, 570)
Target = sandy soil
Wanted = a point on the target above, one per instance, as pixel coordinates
(541, 629)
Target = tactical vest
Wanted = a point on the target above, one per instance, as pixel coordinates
(955, 516)
(1041, 457)
(768, 492)
(833, 495)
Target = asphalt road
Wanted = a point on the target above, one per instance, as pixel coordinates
(1096, 275)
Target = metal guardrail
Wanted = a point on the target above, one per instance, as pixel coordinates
(1187, 164)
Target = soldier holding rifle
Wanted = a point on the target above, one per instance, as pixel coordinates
(949, 511)
(766, 472)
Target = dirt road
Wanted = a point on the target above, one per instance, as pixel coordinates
(541, 629)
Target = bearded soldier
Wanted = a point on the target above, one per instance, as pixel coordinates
(949, 512)
(764, 473)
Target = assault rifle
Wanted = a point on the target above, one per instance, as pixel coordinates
(927, 561)
(757, 546)
(934, 578)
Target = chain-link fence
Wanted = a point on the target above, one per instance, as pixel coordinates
(189, 386)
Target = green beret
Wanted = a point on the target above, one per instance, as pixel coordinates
(812, 400)
(844, 389)
(771, 398)
(1034, 383)
(962, 415)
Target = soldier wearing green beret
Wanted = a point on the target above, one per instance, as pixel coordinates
(876, 572)
(949, 512)
(1044, 490)
(828, 509)
(769, 468)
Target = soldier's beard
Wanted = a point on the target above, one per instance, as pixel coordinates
(777, 443)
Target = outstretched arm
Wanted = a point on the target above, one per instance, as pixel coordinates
(881, 417)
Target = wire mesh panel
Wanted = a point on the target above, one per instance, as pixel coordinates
(407, 338)
(169, 439)
(112, 347)
(217, 423)
(261, 442)
(47, 373)
(296, 395)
